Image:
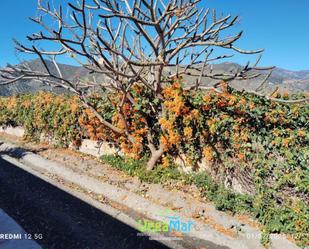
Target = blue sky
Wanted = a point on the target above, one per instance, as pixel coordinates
(281, 27)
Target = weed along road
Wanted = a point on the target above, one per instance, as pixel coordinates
(56, 219)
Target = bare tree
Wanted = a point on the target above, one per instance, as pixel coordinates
(132, 41)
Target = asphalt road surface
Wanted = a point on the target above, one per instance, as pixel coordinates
(12, 236)
(58, 220)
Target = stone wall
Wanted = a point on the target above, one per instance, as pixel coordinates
(98, 149)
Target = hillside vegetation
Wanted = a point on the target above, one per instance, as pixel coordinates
(262, 144)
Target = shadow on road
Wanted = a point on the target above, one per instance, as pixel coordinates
(63, 220)
(18, 152)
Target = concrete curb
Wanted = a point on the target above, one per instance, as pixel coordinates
(35, 164)
(14, 131)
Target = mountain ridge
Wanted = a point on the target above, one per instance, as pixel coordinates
(287, 80)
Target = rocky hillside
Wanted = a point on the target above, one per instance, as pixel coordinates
(287, 80)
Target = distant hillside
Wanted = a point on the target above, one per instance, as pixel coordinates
(287, 80)
(28, 86)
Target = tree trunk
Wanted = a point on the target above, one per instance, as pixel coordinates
(155, 156)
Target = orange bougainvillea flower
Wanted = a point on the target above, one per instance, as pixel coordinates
(285, 142)
(12, 102)
(185, 110)
(143, 120)
(231, 100)
(164, 142)
(208, 153)
(242, 102)
(26, 104)
(175, 106)
(165, 162)
(176, 85)
(74, 107)
(174, 138)
(241, 156)
(166, 124)
(195, 113)
(237, 146)
(187, 132)
(301, 133)
(285, 94)
(276, 132)
(207, 98)
(251, 106)
(244, 137)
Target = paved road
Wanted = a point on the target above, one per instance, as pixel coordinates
(62, 220)
(12, 236)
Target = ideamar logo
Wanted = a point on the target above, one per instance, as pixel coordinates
(173, 223)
